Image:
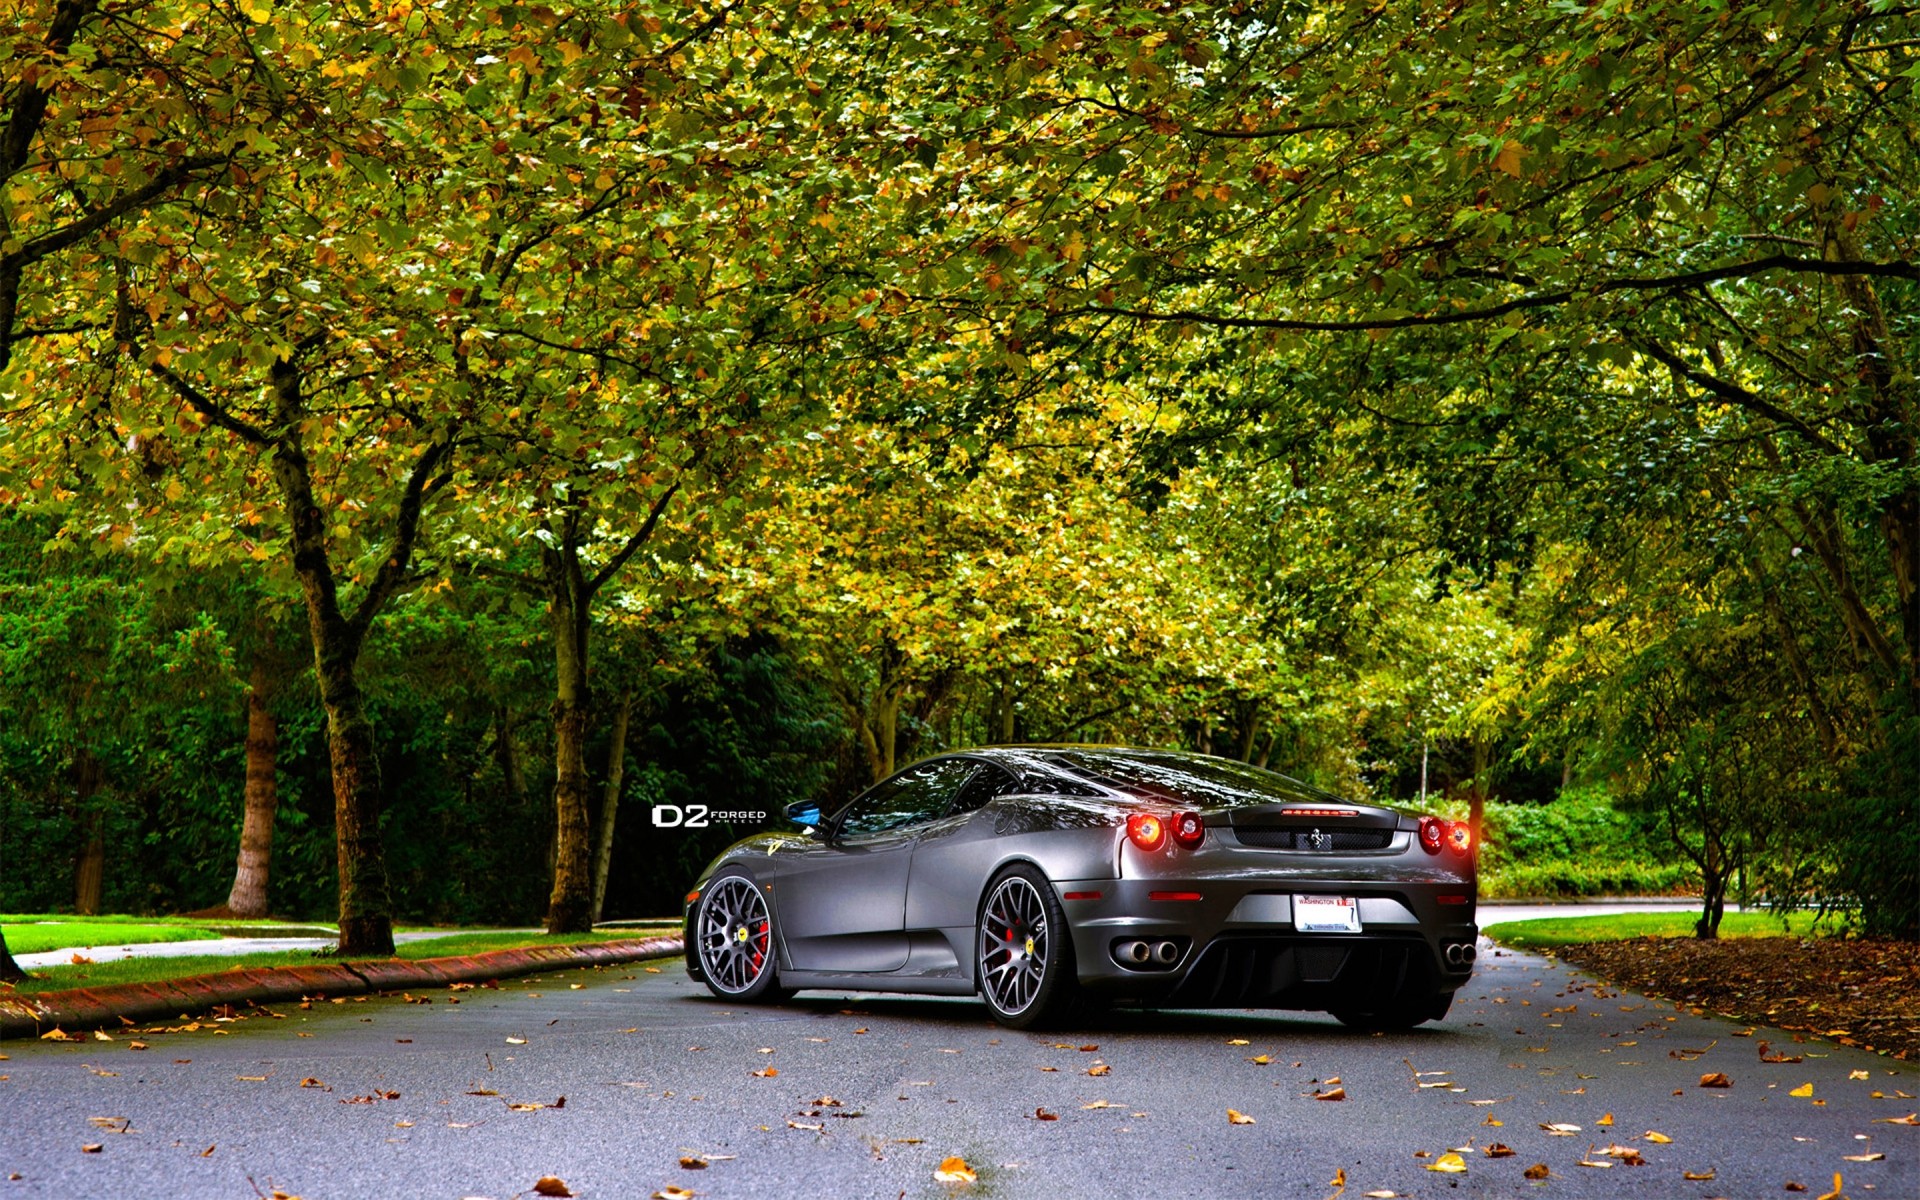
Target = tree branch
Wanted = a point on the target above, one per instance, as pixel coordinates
(634, 543)
(1734, 394)
(421, 485)
(1657, 283)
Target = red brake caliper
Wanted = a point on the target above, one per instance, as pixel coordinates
(760, 953)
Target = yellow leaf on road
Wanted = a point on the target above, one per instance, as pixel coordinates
(1448, 1164)
(1236, 1117)
(1804, 1090)
(1836, 1193)
(1658, 1139)
(955, 1170)
(1698, 1176)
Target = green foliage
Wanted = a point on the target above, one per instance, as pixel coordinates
(1582, 844)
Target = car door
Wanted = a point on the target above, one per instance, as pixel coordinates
(951, 858)
(842, 900)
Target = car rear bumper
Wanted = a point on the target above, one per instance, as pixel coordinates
(1234, 942)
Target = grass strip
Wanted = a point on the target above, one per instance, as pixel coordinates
(151, 970)
(1546, 933)
(40, 937)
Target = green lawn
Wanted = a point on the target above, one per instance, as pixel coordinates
(58, 932)
(1548, 932)
(149, 970)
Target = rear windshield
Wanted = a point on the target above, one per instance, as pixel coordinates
(1210, 782)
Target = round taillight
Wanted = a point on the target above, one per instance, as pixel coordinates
(1188, 829)
(1433, 834)
(1147, 831)
(1459, 837)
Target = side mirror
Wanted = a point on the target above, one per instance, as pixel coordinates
(805, 812)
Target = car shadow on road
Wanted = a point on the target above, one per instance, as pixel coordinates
(956, 1012)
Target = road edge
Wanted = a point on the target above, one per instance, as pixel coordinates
(87, 1008)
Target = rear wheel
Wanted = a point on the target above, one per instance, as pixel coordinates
(733, 935)
(1024, 952)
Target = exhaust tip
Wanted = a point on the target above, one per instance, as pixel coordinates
(1135, 952)
(1166, 953)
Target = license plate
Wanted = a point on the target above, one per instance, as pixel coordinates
(1326, 914)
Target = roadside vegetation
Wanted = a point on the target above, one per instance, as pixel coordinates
(106, 972)
(441, 448)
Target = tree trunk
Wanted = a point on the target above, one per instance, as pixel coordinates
(10, 971)
(507, 754)
(89, 876)
(1477, 798)
(610, 803)
(570, 907)
(1003, 709)
(248, 897)
(366, 923)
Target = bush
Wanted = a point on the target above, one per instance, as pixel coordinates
(1581, 844)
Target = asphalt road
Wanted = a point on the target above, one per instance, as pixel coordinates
(416, 1099)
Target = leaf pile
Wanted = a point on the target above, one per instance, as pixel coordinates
(1862, 993)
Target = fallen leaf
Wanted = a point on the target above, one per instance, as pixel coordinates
(1909, 1119)
(1236, 1117)
(56, 1034)
(766, 1072)
(792, 1124)
(1699, 1176)
(101, 1035)
(529, 1106)
(1493, 1121)
(1874, 1157)
(825, 1102)
(1382, 1194)
(692, 1162)
(1339, 1179)
(672, 1192)
(1658, 1139)
(1104, 1104)
(92, 1148)
(1090, 1048)
(1835, 1194)
(954, 1170)
(1626, 1154)
(1606, 1120)
(1100, 1069)
(1859, 1075)
(1792, 1186)
(1496, 1150)
(1714, 1079)
(1331, 1081)
(1338, 1093)
(1041, 1114)
(311, 1082)
(1560, 1129)
(251, 1078)
(136, 1045)
(1537, 1171)
(1260, 1060)
(1448, 1164)
(1803, 1091)
(1594, 1162)
(1238, 1042)
(520, 1041)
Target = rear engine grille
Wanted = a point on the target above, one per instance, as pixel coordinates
(1330, 840)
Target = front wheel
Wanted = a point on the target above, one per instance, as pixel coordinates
(1024, 953)
(733, 935)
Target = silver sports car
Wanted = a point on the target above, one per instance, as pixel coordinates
(1043, 876)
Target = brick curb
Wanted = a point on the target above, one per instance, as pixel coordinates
(83, 1008)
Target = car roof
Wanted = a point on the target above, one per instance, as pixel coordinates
(1086, 760)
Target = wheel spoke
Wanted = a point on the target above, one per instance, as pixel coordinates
(1014, 919)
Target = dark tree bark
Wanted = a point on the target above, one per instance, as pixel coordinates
(248, 897)
(10, 971)
(610, 802)
(570, 594)
(90, 869)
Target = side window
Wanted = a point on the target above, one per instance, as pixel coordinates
(917, 794)
(991, 781)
